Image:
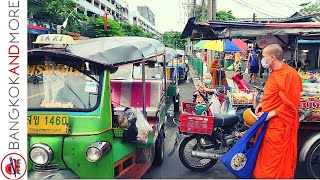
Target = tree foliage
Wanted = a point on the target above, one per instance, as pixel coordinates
(310, 7)
(55, 12)
(221, 15)
(172, 39)
(96, 27)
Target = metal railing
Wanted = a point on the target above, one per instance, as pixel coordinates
(197, 66)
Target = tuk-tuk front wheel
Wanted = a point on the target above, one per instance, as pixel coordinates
(159, 149)
(313, 161)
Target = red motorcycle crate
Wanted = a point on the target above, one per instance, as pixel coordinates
(195, 124)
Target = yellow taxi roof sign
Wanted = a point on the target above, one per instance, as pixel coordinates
(54, 39)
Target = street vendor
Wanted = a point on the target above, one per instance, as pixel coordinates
(205, 88)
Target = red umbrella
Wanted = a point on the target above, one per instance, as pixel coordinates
(240, 44)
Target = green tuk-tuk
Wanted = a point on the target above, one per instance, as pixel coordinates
(73, 115)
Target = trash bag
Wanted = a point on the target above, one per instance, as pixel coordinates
(130, 134)
(230, 68)
(240, 160)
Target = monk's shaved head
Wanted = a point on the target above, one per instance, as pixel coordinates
(274, 49)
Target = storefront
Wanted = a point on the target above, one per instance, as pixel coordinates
(309, 53)
(33, 32)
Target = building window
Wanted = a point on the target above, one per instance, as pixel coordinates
(96, 4)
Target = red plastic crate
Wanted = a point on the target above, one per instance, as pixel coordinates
(195, 124)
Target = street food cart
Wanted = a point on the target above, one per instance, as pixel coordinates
(287, 35)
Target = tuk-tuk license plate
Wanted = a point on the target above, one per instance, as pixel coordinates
(48, 124)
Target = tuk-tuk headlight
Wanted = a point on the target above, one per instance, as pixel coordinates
(41, 154)
(96, 150)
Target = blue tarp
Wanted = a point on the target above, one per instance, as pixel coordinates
(301, 41)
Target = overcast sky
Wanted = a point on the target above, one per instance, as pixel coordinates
(170, 14)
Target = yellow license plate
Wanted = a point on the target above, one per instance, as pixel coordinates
(48, 124)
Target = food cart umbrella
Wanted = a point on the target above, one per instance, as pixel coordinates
(200, 44)
(226, 45)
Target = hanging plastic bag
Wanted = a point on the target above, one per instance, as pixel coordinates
(246, 71)
(240, 160)
(144, 128)
(215, 106)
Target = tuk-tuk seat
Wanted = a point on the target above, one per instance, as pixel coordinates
(129, 94)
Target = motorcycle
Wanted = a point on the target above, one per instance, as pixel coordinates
(200, 152)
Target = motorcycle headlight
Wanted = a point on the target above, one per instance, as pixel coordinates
(41, 154)
(96, 150)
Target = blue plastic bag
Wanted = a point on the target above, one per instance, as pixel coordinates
(240, 160)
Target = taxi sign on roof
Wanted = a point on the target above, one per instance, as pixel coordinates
(54, 39)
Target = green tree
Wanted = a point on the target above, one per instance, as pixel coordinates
(96, 28)
(310, 7)
(221, 15)
(55, 12)
(225, 16)
(172, 39)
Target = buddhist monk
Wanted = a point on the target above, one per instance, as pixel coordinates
(214, 69)
(278, 154)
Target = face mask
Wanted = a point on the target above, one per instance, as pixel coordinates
(264, 63)
(207, 81)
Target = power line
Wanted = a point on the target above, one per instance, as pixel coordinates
(283, 5)
(255, 11)
(261, 10)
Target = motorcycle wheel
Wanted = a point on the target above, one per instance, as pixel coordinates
(194, 163)
(313, 161)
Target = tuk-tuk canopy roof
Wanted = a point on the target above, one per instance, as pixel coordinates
(170, 54)
(112, 51)
(181, 52)
(212, 30)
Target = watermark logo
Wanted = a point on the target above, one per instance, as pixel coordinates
(13, 166)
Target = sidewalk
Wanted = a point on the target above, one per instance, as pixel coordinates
(229, 74)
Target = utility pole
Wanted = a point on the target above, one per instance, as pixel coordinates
(194, 8)
(188, 41)
(214, 9)
(254, 17)
(203, 11)
(211, 16)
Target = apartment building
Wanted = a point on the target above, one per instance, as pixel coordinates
(116, 9)
(144, 18)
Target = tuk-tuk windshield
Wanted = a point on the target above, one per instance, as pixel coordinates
(71, 85)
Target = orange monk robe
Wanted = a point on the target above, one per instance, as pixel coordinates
(214, 68)
(278, 154)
